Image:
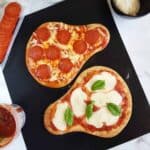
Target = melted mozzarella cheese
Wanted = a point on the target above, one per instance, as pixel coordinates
(78, 98)
(53, 31)
(115, 97)
(75, 57)
(54, 74)
(33, 42)
(95, 120)
(110, 81)
(102, 116)
(58, 119)
(70, 54)
(101, 99)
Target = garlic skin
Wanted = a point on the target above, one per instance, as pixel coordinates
(128, 7)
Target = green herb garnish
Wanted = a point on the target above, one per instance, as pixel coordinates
(114, 109)
(99, 84)
(68, 116)
(89, 109)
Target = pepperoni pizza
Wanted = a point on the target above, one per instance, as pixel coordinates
(99, 103)
(56, 51)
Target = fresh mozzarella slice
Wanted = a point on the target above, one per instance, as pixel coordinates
(102, 116)
(78, 104)
(101, 99)
(58, 119)
(110, 81)
(114, 97)
(95, 119)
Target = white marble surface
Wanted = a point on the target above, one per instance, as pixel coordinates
(137, 44)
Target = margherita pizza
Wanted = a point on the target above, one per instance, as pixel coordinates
(99, 103)
(56, 51)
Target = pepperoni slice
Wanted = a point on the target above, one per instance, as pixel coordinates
(80, 46)
(65, 65)
(63, 36)
(36, 52)
(43, 33)
(92, 36)
(53, 53)
(43, 72)
(7, 27)
(13, 9)
(10, 19)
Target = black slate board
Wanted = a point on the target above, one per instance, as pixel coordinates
(34, 98)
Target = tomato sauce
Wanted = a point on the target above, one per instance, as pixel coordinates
(53, 126)
(78, 120)
(7, 123)
(105, 127)
(81, 120)
(51, 115)
(119, 87)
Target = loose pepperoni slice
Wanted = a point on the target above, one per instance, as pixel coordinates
(80, 46)
(13, 9)
(53, 53)
(36, 52)
(63, 36)
(65, 65)
(43, 72)
(43, 33)
(92, 36)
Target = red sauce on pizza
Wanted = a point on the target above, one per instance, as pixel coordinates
(53, 126)
(81, 120)
(7, 123)
(78, 120)
(119, 87)
(64, 48)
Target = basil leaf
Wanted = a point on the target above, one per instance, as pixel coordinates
(114, 109)
(68, 116)
(99, 84)
(89, 109)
